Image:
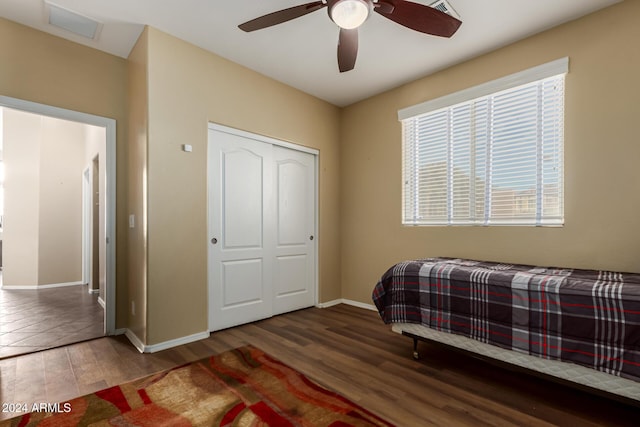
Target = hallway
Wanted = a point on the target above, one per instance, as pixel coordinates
(37, 320)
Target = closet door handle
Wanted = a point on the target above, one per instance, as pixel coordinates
(214, 240)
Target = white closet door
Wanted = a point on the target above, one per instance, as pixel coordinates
(294, 263)
(240, 224)
(262, 216)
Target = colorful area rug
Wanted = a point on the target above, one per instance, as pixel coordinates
(242, 387)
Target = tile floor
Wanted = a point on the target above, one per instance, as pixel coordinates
(37, 320)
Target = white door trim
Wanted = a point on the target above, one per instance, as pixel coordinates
(86, 227)
(110, 196)
(262, 138)
(280, 143)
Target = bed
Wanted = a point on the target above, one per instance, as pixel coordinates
(582, 326)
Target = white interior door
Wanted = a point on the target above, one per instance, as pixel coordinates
(294, 263)
(241, 245)
(262, 216)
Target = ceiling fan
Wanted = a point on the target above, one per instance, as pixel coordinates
(350, 14)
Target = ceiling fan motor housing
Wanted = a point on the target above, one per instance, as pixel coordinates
(349, 14)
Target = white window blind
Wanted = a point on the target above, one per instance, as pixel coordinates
(496, 159)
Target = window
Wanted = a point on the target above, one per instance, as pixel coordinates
(489, 155)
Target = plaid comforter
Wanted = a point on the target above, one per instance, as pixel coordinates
(587, 317)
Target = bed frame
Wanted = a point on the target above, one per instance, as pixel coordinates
(618, 388)
(576, 326)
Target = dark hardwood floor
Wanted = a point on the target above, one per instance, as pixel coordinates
(346, 349)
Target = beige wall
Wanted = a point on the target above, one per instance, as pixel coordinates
(41, 68)
(602, 229)
(21, 199)
(189, 87)
(60, 230)
(44, 158)
(169, 90)
(137, 239)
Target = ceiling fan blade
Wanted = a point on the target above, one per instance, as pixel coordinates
(347, 49)
(419, 17)
(281, 16)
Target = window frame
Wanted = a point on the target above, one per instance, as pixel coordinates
(447, 103)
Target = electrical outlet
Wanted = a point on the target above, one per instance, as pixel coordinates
(133, 308)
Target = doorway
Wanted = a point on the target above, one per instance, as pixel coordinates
(69, 287)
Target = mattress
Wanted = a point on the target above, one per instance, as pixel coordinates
(585, 317)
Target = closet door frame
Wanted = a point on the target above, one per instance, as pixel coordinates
(210, 220)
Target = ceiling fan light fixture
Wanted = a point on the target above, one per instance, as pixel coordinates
(349, 14)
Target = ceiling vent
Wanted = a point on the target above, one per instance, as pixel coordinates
(72, 21)
(444, 6)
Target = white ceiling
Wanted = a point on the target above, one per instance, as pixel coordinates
(302, 52)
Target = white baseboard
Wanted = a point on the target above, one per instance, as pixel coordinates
(142, 348)
(329, 303)
(347, 302)
(359, 304)
(137, 343)
(36, 287)
(102, 303)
